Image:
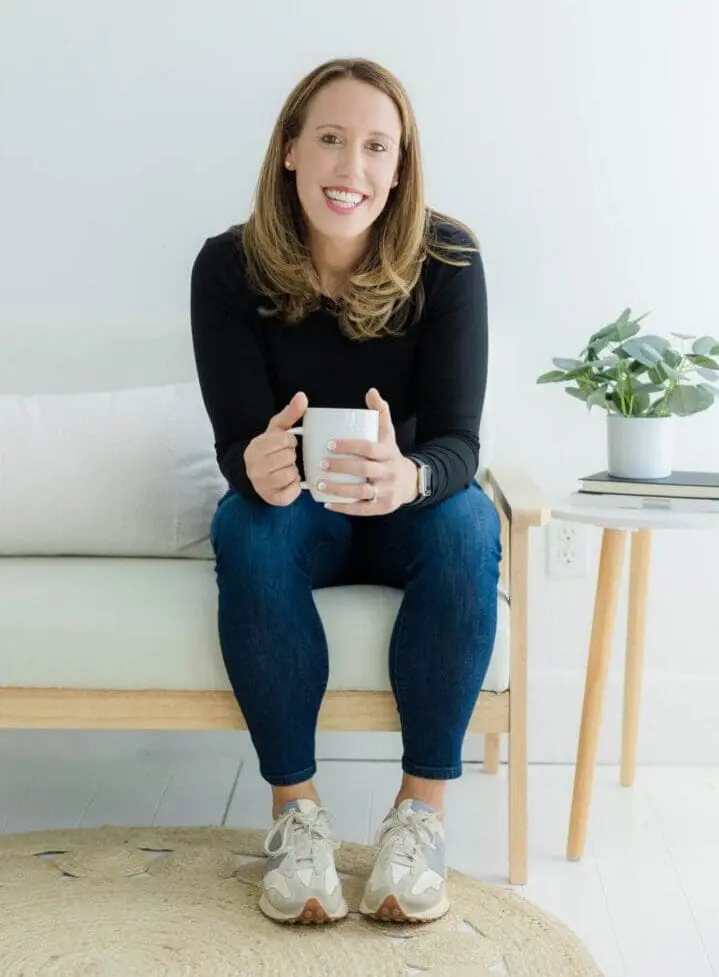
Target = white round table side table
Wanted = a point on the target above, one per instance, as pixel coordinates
(615, 522)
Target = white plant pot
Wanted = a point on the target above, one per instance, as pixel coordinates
(640, 447)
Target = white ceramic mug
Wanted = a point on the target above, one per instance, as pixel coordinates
(322, 424)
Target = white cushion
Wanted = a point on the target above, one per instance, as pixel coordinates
(152, 624)
(113, 473)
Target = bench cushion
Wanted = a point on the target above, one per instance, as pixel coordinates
(113, 623)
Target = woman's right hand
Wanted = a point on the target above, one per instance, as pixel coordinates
(271, 457)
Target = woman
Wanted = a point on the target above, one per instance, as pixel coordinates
(344, 290)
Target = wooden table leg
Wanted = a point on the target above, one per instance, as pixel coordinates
(600, 646)
(636, 627)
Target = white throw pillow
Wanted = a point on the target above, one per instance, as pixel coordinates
(117, 473)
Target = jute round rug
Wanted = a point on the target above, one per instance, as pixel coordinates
(179, 902)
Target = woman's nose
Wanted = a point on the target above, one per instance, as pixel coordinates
(350, 162)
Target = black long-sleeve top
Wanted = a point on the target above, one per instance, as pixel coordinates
(433, 375)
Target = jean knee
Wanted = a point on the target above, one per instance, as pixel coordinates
(228, 521)
(465, 536)
(234, 530)
(487, 526)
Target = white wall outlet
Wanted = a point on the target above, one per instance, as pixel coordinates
(566, 550)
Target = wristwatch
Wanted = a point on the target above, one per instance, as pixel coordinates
(424, 477)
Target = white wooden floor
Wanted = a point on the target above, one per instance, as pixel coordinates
(645, 898)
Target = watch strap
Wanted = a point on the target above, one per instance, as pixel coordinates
(424, 477)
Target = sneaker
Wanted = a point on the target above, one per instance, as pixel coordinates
(300, 883)
(408, 881)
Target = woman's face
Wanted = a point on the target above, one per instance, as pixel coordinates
(346, 157)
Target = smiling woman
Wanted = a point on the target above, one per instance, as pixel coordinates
(344, 290)
(351, 165)
(343, 170)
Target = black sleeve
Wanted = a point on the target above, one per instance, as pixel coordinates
(451, 377)
(230, 366)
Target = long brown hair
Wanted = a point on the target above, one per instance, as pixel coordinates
(278, 261)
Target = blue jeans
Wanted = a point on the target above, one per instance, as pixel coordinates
(268, 559)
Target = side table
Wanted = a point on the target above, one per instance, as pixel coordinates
(615, 523)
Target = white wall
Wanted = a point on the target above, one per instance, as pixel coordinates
(579, 139)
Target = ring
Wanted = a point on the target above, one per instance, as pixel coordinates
(375, 493)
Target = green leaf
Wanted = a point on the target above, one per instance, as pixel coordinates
(579, 394)
(705, 345)
(700, 360)
(567, 365)
(684, 400)
(671, 357)
(647, 388)
(658, 408)
(598, 398)
(658, 342)
(616, 332)
(554, 376)
(657, 374)
(625, 331)
(707, 374)
(610, 329)
(581, 373)
(639, 404)
(602, 333)
(642, 352)
(595, 346)
(710, 388)
(611, 359)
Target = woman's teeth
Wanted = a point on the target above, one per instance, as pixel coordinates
(344, 199)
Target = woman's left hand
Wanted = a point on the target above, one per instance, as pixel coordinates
(393, 478)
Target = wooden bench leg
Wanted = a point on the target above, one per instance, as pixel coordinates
(600, 646)
(492, 745)
(636, 627)
(518, 814)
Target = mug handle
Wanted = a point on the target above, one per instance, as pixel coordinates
(299, 430)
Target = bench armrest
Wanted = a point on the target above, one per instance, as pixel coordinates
(518, 495)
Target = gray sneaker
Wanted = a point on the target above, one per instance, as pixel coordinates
(300, 883)
(408, 881)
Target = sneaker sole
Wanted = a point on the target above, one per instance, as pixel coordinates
(312, 912)
(390, 911)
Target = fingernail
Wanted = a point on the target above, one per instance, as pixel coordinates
(331, 445)
(324, 464)
(322, 486)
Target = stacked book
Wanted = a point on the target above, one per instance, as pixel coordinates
(678, 492)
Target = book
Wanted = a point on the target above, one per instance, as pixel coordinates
(647, 503)
(686, 485)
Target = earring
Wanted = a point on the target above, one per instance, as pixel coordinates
(288, 164)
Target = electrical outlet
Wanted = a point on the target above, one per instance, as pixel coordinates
(566, 550)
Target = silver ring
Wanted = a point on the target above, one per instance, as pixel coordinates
(375, 493)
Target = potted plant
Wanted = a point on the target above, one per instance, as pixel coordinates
(642, 382)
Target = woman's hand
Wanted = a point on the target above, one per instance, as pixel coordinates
(271, 457)
(393, 478)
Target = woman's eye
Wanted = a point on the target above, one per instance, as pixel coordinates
(332, 139)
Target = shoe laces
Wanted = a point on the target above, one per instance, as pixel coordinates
(404, 832)
(304, 834)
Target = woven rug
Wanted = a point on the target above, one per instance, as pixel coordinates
(182, 902)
